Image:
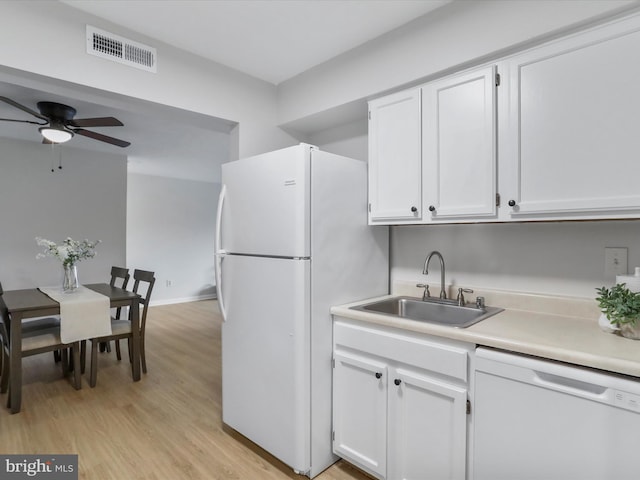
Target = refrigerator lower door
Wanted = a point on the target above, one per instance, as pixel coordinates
(265, 354)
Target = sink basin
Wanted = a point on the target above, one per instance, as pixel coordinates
(430, 311)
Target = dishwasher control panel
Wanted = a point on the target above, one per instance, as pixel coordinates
(626, 400)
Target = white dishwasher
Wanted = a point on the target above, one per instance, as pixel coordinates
(537, 419)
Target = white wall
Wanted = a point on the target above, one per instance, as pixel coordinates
(560, 258)
(31, 39)
(86, 199)
(550, 258)
(35, 32)
(171, 231)
(460, 34)
(350, 140)
(457, 34)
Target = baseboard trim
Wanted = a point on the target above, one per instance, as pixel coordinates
(170, 301)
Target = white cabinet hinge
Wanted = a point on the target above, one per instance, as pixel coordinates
(369, 207)
(468, 407)
(497, 199)
(333, 435)
(497, 79)
(333, 363)
(369, 114)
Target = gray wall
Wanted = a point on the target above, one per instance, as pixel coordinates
(171, 230)
(86, 199)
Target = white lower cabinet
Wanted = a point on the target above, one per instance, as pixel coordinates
(360, 412)
(400, 402)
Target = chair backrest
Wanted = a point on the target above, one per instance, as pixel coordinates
(4, 319)
(143, 279)
(119, 273)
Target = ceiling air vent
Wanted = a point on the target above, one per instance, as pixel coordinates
(122, 50)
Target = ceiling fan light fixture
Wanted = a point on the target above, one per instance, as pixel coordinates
(56, 135)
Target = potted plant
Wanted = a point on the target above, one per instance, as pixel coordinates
(621, 306)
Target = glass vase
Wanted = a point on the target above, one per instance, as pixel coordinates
(70, 278)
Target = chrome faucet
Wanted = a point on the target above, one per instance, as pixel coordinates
(425, 271)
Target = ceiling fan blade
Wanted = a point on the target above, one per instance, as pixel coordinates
(22, 121)
(96, 122)
(102, 138)
(25, 109)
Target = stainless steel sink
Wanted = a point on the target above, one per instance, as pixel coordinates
(430, 311)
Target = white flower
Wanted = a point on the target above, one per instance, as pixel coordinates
(69, 252)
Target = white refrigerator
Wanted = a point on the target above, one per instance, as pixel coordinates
(292, 240)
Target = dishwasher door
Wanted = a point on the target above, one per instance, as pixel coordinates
(536, 419)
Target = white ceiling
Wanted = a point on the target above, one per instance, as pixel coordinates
(273, 40)
(165, 141)
(269, 39)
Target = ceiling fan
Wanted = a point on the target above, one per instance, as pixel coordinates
(58, 125)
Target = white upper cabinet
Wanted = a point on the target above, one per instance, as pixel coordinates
(558, 139)
(570, 142)
(395, 190)
(459, 146)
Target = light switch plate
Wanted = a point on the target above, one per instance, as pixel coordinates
(615, 263)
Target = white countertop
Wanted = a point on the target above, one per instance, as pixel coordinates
(564, 337)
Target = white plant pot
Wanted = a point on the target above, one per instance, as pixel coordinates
(605, 325)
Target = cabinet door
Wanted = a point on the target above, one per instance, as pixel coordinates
(395, 184)
(427, 428)
(573, 127)
(360, 412)
(459, 146)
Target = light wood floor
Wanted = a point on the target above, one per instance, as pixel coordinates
(167, 426)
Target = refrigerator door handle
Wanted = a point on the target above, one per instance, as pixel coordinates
(219, 253)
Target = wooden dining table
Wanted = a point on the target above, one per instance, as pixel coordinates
(31, 302)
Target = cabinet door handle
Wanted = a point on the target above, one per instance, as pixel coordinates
(414, 209)
(397, 381)
(512, 203)
(378, 375)
(432, 208)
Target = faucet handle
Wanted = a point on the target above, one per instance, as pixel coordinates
(460, 298)
(426, 293)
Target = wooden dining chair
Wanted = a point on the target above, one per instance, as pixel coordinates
(121, 328)
(35, 342)
(119, 278)
(38, 324)
(33, 325)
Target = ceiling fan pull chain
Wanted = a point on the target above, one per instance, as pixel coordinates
(53, 157)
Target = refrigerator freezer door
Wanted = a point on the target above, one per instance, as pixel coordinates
(265, 354)
(267, 203)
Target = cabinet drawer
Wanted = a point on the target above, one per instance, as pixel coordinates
(442, 356)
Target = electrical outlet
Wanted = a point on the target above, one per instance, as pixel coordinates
(615, 263)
